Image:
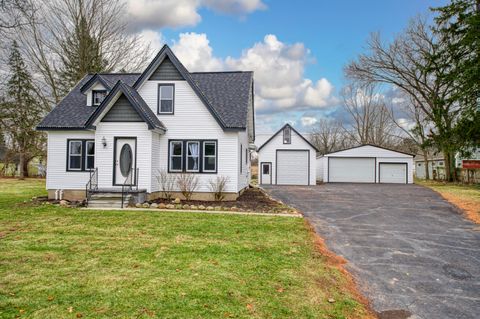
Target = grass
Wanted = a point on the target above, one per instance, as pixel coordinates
(466, 197)
(70, 263)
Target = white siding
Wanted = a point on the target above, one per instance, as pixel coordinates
(268, 153)
(104, 156)
(319, 168)
(192, 120)
(57, 175)
(245, 174)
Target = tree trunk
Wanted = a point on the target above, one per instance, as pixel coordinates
(25, 167)
(21, 165)
(449, 176)
(427, 170)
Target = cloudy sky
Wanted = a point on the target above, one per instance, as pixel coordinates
(297, 49)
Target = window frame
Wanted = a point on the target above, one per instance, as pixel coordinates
(170, 156)
(289, 135)
(184, 143)
(83, 163)
(159, 100)
(91, 155)
(209, 156)
(191, 156)
(98, 91)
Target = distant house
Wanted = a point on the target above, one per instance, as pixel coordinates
(436, 168)
(116, 131)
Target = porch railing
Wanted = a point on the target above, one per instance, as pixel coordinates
(92, 184)
(130, 184)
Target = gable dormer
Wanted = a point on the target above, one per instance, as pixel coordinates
(96, 89)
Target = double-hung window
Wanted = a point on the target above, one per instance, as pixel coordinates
(75, 155)
(194, 156)
(210, 156)
(98, 96)
(287, 135)
(166, 97)
(176, 156)
(80, 155)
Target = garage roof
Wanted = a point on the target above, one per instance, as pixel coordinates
(280, 130)
(369, 150)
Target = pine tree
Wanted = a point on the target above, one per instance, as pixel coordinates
(82, 55)
(20, 112)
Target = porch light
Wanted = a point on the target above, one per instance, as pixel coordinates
(104, 142)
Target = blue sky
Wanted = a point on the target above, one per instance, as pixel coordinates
(304, 44)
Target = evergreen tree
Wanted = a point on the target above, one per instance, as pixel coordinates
(82, 54)
(458, 28)
(20, 112)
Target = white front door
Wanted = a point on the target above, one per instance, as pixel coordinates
(266, 173)
(125, 161)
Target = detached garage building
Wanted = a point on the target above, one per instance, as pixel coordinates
(287, 158)
(368, 164)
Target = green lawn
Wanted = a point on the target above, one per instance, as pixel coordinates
(466, 197)
(71, 263)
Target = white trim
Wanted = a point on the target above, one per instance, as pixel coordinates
(209, 156)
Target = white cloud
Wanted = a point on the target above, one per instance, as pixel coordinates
(308, 120)
(279, 76)
(234, 6)
(194, 51)
(152, 38)
(151, 14)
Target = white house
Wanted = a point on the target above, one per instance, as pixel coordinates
(287, 158)
(319, 168)
(119, 130)
(368, 164)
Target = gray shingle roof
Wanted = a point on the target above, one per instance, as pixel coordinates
(227, 95)
(72, 112)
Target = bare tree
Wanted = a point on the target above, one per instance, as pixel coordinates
(416, 127)
(218, 187)
(166, 182)
(327, 135)
(14, 13)
(371, 121)
(410, 64)
(187, 183)
(65, 39)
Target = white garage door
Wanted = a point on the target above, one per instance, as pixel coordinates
(393, 173)
(292, 167)
(351, 170)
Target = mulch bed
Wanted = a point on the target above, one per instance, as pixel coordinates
(252, 200)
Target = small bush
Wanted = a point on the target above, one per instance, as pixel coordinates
(166, 182)
(187, 183)
(217, 186)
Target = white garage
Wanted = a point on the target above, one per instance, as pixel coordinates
(368, 164)
(287, 158)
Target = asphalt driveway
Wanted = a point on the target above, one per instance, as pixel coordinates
(409, 249)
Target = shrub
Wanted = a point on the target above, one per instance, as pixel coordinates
(187, 183)
(217, 186)
(166, 182)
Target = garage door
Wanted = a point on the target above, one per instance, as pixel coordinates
(351, 170)
(393, 173)
(292, 167)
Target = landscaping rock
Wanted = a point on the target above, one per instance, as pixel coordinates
(177, 201)
(210, 208)
(162, 206)
(64, 203)
(154, 205)
(218, 208)
(170, 206)
(234, 209)
(193, 207)
(201, 207)
(186, 206)
(146, 205)
(138, 205)
(178, 206)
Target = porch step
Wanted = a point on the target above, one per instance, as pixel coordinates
(106, 200)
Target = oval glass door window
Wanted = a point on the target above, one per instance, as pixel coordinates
(125, 159)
